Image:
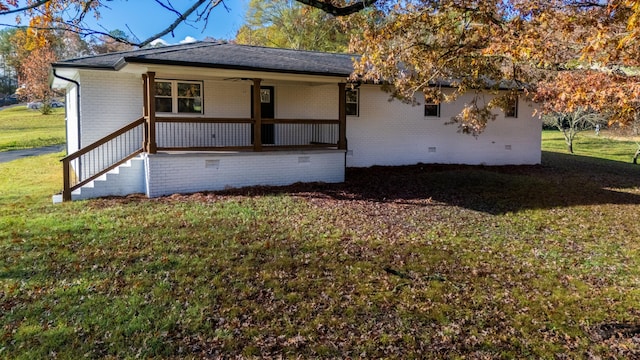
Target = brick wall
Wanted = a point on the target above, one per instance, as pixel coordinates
(227, 99)
(394, 133)
(385, 133)
(109, 101)
(187, 173)
(307, 101)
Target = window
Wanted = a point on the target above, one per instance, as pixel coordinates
(179, 97)
(511, 111)
(432, 110)
(265, 96)
(352, 100)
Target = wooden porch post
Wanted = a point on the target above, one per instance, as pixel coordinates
(257, 116)
(66, 179)
(145, 111)
(145, 97)
(152, 147)
(342, 117)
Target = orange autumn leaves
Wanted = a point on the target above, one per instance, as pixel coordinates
(474, 45)
(611, 93)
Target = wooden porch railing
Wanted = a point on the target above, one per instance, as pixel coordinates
(194, 134)
(101, 156)
(183, 133)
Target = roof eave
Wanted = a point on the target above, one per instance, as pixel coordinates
(115, 67)
(230, 67)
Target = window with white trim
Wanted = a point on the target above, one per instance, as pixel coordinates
(352, 102)
(432, 109)
(178, 97)
(512, 107)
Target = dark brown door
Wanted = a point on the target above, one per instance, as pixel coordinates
(267, 110)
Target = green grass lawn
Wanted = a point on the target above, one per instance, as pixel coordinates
(414, 262)
(21, 128)
(588, 144)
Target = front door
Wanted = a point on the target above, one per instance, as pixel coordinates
(267, 110)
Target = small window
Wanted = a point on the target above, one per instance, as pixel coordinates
(179, 97)
(431, 110)
(352, 102)
(265, 96)
(512, 107)
(163, 96)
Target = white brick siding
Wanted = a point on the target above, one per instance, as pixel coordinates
(192, 172)
(227, 99)
(110, 100)
(71, 103)
(394, 133)
(232, 98)
(126, 179)
(385, 133)
(295, 101)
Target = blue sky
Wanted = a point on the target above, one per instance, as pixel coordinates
(145, 17)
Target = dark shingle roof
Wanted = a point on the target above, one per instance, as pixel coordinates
(224, 56)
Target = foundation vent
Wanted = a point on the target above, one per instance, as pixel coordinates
(212, 164)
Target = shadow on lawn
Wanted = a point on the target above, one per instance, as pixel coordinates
(561, 181)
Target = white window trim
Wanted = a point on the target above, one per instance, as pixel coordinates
(515, 115)
(432, 116)
(357, 102)
(174, 97)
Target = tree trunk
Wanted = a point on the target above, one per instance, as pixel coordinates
(568, 139)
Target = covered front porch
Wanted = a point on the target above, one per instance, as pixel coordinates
(188, 153)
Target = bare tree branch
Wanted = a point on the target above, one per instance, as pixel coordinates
(338, 10)
(175, 24)
(207, 11)
(75, 29)
(25, 8)
(168, 7)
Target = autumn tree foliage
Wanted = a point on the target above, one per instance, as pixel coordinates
(71, 15)
(417, 46)
(35, 76)
(32, 58)
(112, 42)
(612, 93)
(548, 46)
(292, 25)
(470, 45)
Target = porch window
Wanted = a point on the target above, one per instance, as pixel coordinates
(431, 110)
(352, 106)
(179, 97)
(511, 111)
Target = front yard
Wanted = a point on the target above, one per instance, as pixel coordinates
(423, 261)
(21, 128)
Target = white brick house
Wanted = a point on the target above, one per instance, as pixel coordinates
(209, 116)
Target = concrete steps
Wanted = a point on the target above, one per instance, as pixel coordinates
(126, 179)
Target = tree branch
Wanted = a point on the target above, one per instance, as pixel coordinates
(74, 29)
(177, 22)
(25, 8)
(338, 10)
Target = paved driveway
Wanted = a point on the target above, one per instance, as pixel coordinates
(7, 156)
